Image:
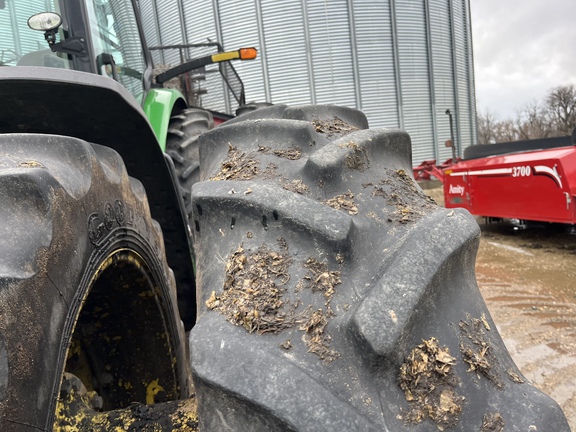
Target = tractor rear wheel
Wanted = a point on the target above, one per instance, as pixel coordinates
(84, 286)
(334, 294)
(182, 147)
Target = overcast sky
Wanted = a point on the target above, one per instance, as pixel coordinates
(522, 49)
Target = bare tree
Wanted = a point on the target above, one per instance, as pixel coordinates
(491, 130)
(533, 121)
(561, 104)
(554, 116)
(506, 131)
(486, 128)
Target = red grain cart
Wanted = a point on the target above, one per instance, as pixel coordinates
(527, 180)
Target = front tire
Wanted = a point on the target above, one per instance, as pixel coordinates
(84, 283)
(333, 294)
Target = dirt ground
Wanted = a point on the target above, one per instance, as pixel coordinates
(527, 278)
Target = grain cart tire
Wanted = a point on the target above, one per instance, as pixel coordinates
(84, 285)
(182, 147)
(335, 295)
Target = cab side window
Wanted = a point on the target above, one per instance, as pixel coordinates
(114, 31)
(19, 44)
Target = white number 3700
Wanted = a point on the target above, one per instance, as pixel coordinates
(521, 171)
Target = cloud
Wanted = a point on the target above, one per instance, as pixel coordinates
(521, 50)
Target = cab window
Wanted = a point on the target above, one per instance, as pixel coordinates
(19, 44)
(114, 32)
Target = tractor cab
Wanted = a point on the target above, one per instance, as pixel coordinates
(107, 38)
(96, 36)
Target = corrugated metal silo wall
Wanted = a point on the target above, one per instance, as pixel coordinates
(403, 62)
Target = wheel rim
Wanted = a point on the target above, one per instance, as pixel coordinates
(121, 327)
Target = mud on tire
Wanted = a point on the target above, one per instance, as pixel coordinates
(84, 283)
(334, 295)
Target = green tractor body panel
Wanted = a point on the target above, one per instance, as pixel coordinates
(158, 107)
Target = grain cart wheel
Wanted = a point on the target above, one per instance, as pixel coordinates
(182, 147)
(84, 287)
(335, 295)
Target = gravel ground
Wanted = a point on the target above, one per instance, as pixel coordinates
(527, 279)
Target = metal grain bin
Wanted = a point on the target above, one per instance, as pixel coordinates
(403, 62)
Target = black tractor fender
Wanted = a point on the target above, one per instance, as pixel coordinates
(101, 111)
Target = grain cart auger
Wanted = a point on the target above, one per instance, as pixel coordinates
(330, 293)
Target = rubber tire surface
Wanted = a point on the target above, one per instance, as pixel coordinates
(252, 106)
(66, 206)
(182, 147)
(401, 270)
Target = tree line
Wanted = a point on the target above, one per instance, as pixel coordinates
(553, 116)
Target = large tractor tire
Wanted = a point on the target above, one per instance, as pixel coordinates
(252, 106)
(335, 295)
(182, 147)
(84, 288)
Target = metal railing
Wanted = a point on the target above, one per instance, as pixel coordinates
(215, 87)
